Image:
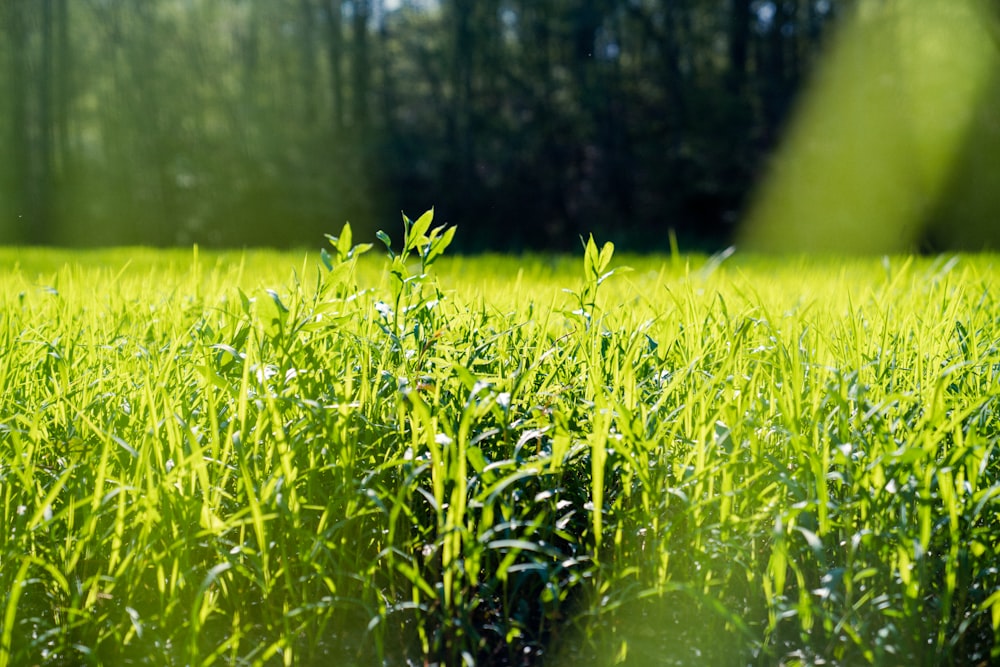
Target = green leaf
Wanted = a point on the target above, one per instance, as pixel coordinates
(244, 301)
(211, 377)
(467, 377)
(605, 257)
(360, 249)
(384, 238)
(419, 230)
(438, 245)
(446, 238)
(476, 459)
(277, 300)
(590, 259)
(344, 242)
(608, 274)
(339, 273)
(327, 260)
(227, 354)
(273, 314)
(398, 268)
(413, 575)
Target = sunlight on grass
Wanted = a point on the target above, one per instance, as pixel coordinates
(341, 459)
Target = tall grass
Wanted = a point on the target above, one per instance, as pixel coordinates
(239, 459)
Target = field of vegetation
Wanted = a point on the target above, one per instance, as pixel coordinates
(263, 458)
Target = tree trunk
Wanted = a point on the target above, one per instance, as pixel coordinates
(333, 13)
(739, 39)
(20, 150)
(307, 76)
(461, 85)
(30, 120)
(360, 63)
(44, 176)
(64, 89)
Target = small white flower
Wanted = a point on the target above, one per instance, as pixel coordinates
(442, 439)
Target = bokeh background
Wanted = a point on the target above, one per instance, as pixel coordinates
(832, 125)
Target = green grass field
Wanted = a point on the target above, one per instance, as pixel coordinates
(263, 458)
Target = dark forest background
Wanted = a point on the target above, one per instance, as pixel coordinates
(271, 122)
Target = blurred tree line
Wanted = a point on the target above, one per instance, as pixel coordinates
(526, 122)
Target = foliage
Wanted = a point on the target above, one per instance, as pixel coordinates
(707, 461)
(257, 122)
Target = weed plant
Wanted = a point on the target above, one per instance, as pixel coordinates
(736, 461)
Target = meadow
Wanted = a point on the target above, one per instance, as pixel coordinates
(404, 458)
